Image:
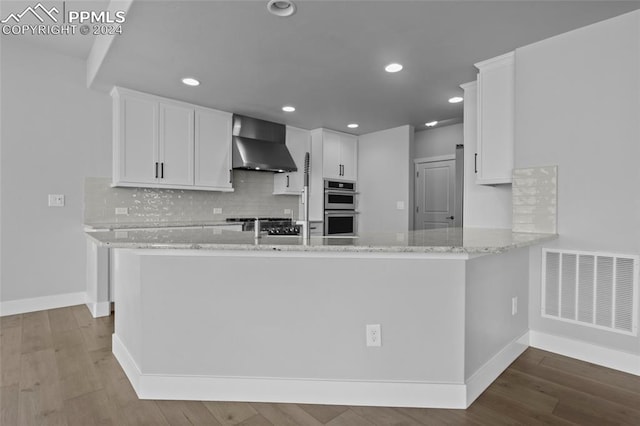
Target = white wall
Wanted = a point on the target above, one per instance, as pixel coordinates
(578, 107)
(438, 141)
(483, 206)
(384, 179)
(54, 133)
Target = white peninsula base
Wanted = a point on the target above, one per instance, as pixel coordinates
(287, 326)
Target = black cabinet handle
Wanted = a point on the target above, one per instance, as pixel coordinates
(162, 170)
(287, 181)
(450, 217)
(475, 163)
(156, 170)
(230, 176)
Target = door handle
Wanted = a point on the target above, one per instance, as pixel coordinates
(449, 217)
(162, 170)
(230, 176)
(156, 170)
(287, 181)
(475, 163)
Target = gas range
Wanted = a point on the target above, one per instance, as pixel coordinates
(270, 225)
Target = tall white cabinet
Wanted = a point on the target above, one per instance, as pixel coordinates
(496, 115)
(334, 155)
(299, 143)
(162, 143)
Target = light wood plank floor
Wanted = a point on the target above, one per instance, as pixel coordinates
(57, 368)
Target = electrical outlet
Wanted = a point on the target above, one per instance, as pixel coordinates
(122, 210)
(514, 305)
(287, 211)
(56, 200)
(217, 210)
(400, 205)
(374, 335)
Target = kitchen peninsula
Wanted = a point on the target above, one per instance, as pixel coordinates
(210, 314)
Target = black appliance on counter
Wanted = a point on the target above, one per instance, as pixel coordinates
(270, 225)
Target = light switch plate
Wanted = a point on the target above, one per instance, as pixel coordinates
(122, 210)
(400, 205)
(217, 210)
(56, 200)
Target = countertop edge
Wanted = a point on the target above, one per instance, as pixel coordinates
(481, 250)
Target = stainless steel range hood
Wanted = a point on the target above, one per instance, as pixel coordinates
(260, 145)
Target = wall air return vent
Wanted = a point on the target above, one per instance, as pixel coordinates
(592, 289)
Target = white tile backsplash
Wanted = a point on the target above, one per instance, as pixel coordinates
(252, 196)
(535, 199)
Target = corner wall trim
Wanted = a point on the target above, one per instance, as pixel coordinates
(610, 358)
(21, 306)
(485, 375)
(99, 309)
(285, 390)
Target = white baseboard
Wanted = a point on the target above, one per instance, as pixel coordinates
(99, 309)
(485, 375)
(250, 389)
(618, 360)
(21, 306)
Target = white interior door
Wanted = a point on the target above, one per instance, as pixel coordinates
(435, 194)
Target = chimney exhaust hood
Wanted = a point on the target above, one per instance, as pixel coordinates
(260, 145)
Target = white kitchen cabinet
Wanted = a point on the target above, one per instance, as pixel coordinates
(496, 115)
(175, 145)
(135, 133)
(162, 143)
(212, 149)
(339, 155)
(298, 142)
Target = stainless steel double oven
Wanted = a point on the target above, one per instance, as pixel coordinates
(340, 217)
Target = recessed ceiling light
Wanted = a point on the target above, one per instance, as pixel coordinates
(393, 67)
(353, 125)
(190, 81)
(455, 100)
(281, 7)
(431, 123)
(288, 108)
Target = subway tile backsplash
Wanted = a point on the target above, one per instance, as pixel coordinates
(253, 196)
(535, 199)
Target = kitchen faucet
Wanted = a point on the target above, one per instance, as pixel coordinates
(305, 201)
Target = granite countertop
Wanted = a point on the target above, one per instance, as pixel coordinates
(452, 240)
(100, 227)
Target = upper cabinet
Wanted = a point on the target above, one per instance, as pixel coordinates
(161, 143)
(496, 114)
(291, 183)
(339, 155)
(213, 149)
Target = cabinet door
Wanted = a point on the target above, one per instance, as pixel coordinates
(331, 155)
(298, 143)
(349, 157)
(176, 145)
(135, 140)
(213, 149)
(495, 120)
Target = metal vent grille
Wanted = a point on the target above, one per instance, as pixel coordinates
(593, 289)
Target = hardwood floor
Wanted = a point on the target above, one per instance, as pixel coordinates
(57, 368)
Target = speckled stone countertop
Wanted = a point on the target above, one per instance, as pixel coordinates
(453, 240)
(99, 227)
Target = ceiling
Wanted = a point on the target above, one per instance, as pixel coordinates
(328, 59)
